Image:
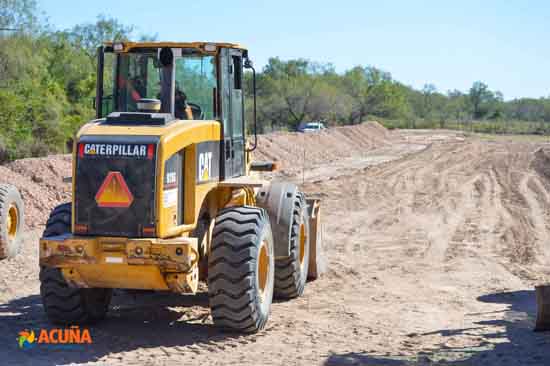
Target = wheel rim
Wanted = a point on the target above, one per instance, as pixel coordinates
(303, 237)
(263, 270)
(12, 221)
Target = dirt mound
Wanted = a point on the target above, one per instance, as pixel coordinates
(294, 150)
(541, 164)
(432, 257)
(40, 181)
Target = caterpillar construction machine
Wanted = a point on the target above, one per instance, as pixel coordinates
(164, 194)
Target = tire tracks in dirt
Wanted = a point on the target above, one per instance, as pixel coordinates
(414, 244)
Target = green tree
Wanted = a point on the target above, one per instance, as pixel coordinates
(89, 36)
(458, 105)
(428, 92)
(366, 87)
(480, 96)
(18, 15)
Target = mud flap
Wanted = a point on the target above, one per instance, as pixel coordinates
(317, 260)
(543, 308)
(278, 199)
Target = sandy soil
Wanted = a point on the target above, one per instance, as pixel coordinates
(434, 242)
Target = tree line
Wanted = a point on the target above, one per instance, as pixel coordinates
(293, 91)
(47, 83)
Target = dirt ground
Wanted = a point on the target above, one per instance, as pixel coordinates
(434, 242)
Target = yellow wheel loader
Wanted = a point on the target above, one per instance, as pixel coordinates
(163, 196)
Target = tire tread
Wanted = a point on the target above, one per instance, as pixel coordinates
(231, 269)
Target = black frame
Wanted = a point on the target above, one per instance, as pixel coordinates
(99, 82)
(98, 104)
(233, 160)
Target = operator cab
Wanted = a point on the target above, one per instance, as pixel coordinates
(177, 81)
(159, 83)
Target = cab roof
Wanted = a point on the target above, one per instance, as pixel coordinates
(127, 46)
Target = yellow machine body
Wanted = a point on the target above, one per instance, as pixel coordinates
(171, 259)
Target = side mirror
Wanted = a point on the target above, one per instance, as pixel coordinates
(248, 65)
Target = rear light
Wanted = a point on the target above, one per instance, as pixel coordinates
(64, 248)
(210, 47)
(148, 231)
(118, 47)
(81, 229)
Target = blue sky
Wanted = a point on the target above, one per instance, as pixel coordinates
(450, 44)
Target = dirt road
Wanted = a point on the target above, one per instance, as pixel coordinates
(434, 242)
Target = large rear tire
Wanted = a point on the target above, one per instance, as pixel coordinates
(59, 222)
(12, 221)
(241, 269)
(291, 272)
(64, 304)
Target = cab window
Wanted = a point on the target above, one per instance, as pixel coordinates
(138, 77)
(195, 86)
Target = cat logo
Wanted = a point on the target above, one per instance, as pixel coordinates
(205, 166)
(136, 151)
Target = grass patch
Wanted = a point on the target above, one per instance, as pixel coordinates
(484, 127)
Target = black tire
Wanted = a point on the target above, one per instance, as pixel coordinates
(240, 292)
(291, 272)
(12, 221)
(64, 304)
(59, 222)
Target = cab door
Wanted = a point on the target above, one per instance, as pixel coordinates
(232, 112)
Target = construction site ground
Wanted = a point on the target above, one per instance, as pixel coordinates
(434, 242)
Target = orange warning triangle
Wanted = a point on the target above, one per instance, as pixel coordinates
(114, 192)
